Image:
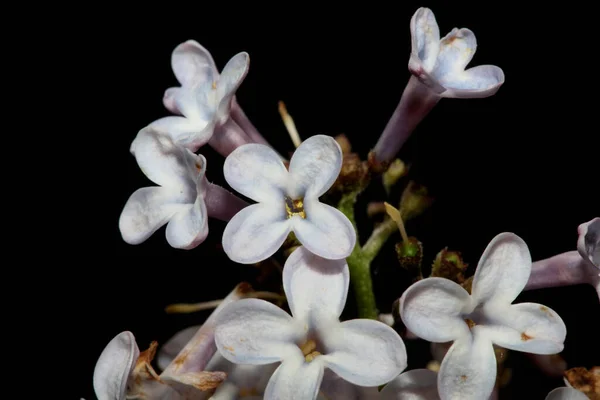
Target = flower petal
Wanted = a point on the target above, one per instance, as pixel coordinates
(566, 393)
(418, 384)
(193, 64)
(364, 352)
(314, 167)
(469, 369)
(295, 379)
(255, 233)
(188, 227)
(174, 345)
(477, 82)
(146, 211)
(456, 51)
(169, 99)
(165, 162)
(588, 243)
(315, 285)
(528, 327)
(257, 172)
(114, 366)
(231, 78)
(432, 309)
(254, 331)
(425, 37)
(326, 231)
(503, 270)
(191, 134)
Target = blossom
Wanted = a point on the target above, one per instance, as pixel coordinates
(361, 351)
(566, 393)
(588, 243)
(440, 64)
(204, 98)
(440, 310)
(287, 201)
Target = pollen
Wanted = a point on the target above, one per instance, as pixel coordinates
(525, 337)
(470, 323)
(214, 85)
(308, 347)
(294, 207)
(311, 356)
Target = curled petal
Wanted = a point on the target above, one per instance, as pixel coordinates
(528, 327)
(295, 379)
(255, 233)
(314, 285)
(257, 172)
(230, 80)
(315, 166)
(193, 64)
(185, 131)
(114, 366)
(173, 346)
(165, 162)
(503, 270)
(566, 393)
(169, 99)
(588, 243)
(189, 226)
(425, 37)
(418, 384)
(146, 211)
(432, 309)
(325, 231)
(364, 352)
(477, 82)
(456, 51)
(469, 369)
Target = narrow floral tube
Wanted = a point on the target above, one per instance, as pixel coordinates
(221, 203)
(561, 270)
(240, 117)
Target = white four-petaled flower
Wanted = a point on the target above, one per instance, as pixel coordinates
(204, 97)
(287, 201)
(440, 310)
(178, 201)
(361, 351)
(440, 64)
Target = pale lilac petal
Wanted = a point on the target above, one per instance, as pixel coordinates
(325, 231)
(503, 270)
(189, 133)
(189, 226)
(588, 243)
(230, 80)
(566, 393)
(468, 371)
(315, 166)
(477, 82)
(364, 352)
(295, 379)
(115, 364)
(257, 172)
(193, 64)
(528, 327)
(146, 210)
(174, 345)
(425, 37)
(418, 384)
(314, 285)
(169, 99)
(433, 309)
(254, 331)
(456, 51)
(255, 233)
(165, 162)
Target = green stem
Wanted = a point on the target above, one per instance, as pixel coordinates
(359, 265)
(378, 238)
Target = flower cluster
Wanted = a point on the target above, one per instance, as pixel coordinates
(251, 347)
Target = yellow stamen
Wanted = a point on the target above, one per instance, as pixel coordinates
(308, 347)
(294, 207)
(289, 124)
(470, 323)
(394, 214)
(311, 356)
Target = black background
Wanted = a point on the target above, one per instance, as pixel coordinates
(524, 160)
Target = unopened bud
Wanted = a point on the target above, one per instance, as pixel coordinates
(414, 201)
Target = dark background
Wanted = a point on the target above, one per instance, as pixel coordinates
(524, 160)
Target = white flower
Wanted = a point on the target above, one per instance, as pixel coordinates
(566, 393)
(440, 64)
(286, 201)
(177, 202)
(439, 310)
(588, 243)
(204, 98)
(363, 352)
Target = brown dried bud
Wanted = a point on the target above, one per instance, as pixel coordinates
(410, 256)
(376, 166)
(353, 175)
(449, 265)
(414, 201)
(585, 381)
(344, 143)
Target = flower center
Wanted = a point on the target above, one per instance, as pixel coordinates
(309, 350)
(470, 323)
(294, 207)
